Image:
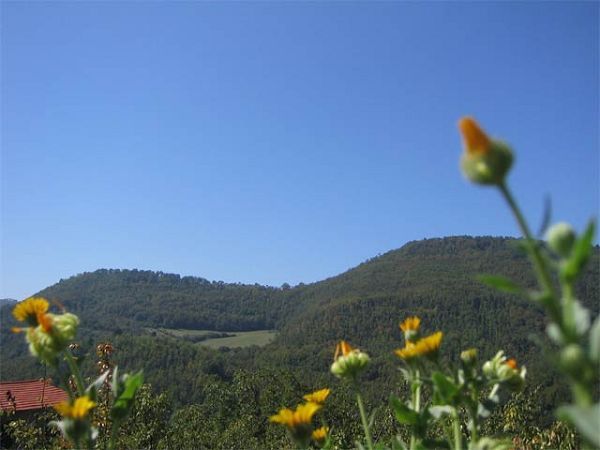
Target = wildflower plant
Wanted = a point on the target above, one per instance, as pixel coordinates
(348, 363)
(50, 337)
(299, 421)
(563, 257)
(466, 391)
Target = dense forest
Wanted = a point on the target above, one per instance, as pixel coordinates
(227, 393)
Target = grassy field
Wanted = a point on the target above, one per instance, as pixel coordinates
(234, 338)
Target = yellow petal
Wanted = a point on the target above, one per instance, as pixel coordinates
(411, 323)
(29, 309)
(318, 397)
(305, 412)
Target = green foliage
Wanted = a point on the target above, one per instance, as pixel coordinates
(32, 432)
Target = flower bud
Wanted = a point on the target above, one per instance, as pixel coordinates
(64, 328)
(350, 363)
(504, 371)
(469, 356)
(572, 359)
(52, 336)
(485, 161)
(561, 238)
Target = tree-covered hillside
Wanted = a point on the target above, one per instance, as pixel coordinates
(434, 278)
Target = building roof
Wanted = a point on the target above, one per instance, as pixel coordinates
(30, 394)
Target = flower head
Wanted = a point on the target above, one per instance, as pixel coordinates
(410, 324)
(31, 310)
(298, 421)
(320, 434)
(76, 410)
(410, 328)
(317, 397)
(501, 370)
(348, 361)
(302, 415)
(485, 161)
(427, 346)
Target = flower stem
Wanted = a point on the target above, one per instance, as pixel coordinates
(541, 269)
(416, 403)
(363, 418)
(456, 429)
(75, 371)
(113, 435)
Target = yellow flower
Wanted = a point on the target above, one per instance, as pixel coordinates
(410, 328)
(320, 434)
(410, 324)
(426, 346)
(485, 161)
(31, 310)
(294, 419)
(76, 410)
(317, 397)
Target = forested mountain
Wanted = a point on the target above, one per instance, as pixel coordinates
(434, 279)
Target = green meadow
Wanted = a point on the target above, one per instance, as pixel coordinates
(217, 339)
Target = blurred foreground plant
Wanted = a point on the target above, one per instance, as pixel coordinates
(487, 161)
(50, 339)
(299, 421)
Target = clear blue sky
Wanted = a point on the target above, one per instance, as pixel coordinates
(280, 142)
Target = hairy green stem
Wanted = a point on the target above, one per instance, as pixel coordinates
(456, 429)
(568, 310)
(541, 269)
(415, 390)
(417, 394)
(363, 418)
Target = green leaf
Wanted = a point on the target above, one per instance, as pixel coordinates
(444, 390)
(124, 401)
(585, 419)
(595, 341)
(547, 217)
(582, 318)
(403, 413)
(406, 374)
(555, 334)
(501, 283)
(115, 382)
(571, 269)
(94, 387)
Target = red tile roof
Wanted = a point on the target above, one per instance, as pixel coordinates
(30, 394)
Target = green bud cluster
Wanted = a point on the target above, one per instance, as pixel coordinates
(47, 344)
(499, 369)
(350, 365)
